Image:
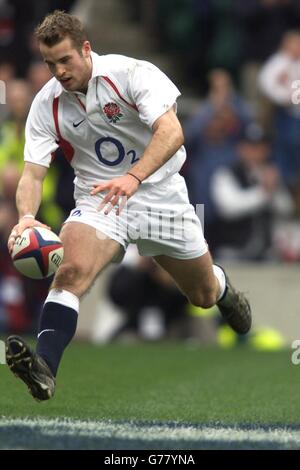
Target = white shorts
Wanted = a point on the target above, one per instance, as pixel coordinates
(158, 218)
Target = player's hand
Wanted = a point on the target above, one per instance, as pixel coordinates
(24, 222)
(119, 190)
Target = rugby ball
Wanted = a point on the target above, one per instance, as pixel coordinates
(37, 253)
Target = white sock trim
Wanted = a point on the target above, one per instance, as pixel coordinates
(63, 297)
(220, 275)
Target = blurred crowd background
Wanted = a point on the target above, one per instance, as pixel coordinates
(237, 64)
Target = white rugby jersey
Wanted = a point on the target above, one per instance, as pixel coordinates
(103, 133)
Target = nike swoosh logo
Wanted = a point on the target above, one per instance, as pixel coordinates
(76, 124)
(43, 332)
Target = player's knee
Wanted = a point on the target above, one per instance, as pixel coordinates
(204, 299)
(68, 275)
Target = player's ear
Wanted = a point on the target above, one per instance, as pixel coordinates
(86, 49)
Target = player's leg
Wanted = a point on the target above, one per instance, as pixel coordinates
(194, 277)
(177, 243)
(85, 255)
(205, 285)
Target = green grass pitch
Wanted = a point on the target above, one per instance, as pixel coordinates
(158, 396)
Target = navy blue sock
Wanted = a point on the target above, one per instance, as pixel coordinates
(61, 321)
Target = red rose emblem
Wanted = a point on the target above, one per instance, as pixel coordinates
(113, 112)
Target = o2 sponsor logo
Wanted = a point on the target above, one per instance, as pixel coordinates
(120, 151)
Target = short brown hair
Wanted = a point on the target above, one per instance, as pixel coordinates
(57, 26)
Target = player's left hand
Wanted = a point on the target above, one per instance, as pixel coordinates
(119, 190)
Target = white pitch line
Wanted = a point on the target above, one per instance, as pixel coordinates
(285, 436)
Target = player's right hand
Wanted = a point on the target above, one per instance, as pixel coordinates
(24, 222)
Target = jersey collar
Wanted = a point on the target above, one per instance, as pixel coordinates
(97, 65)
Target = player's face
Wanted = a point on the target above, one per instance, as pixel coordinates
(72, 69)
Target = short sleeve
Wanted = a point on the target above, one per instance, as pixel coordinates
(40, 137)
(151, 91)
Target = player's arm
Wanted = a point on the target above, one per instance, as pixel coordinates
(30, 188)
(28, 200)
(166, 140)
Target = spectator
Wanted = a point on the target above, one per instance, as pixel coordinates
(263, 23)
(212, 133)
(38, 75)
(276, 79)
(12, 134)
(244, 198)
(17, 20)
